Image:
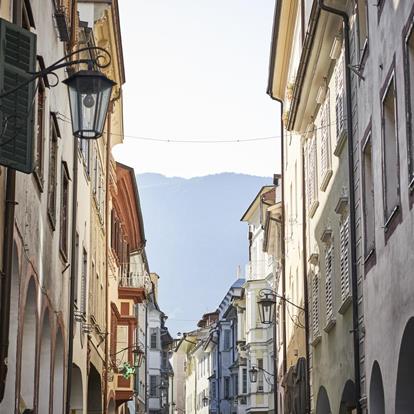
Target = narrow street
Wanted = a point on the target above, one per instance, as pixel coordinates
(206, 207)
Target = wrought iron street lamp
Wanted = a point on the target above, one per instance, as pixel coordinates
(89, 95)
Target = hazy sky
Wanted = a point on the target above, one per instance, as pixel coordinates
(197, 69)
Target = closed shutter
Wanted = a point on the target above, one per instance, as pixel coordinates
(325, 138)
(340, 107)
(17, 59)
(311, 183)
(328, 281)
(315, 306)
(344, 242)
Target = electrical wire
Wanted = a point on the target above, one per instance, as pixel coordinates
(66, 119)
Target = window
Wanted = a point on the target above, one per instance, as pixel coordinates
(368, 198)
(340, 101)
(344, 258)
(76, 271)
(64, 211)
(325, 142)
(23, 14)
(390, 152)
(235, 385)
(40, 133)
(244, 380)
(84, 147)
(260, 374)
(154, 338)
(315, 306)
(153, 385)
(362, 16)
(83, 281)
(226, 387)
(213, 390)
(329, 269)
(121, 344)
(311, 177)
(226, 339)
(52, 182)
(409, 90)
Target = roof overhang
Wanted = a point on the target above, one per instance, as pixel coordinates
(255, 203)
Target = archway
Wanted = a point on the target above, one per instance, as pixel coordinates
(404, 397)
(94, 391)
(28, 357)
(376, 391)
(348, 399)
(7, 405)
(112, 407)
(322, 403)
(45, 366)
(76, 392)
(58, 374)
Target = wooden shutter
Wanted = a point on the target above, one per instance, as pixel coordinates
(17, 58)
(315, 306)
(340, 105)
(344, 246)
(328, 281)
(325, 138)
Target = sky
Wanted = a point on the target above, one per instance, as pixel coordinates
(197, 70)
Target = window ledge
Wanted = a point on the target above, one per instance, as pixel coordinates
(313, 208)
(391, 217)
(340, 143)
(325, 180)
(329, 326)
(316, 339)
(346, 302)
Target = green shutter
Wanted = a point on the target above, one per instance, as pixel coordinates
(17, 59)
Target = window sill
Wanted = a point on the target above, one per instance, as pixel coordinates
(316, 339)
(325, 180)
(330, 325)
(313, 208)
(340, 143)
(346, 302)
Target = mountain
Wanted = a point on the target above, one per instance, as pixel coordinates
(195, 239)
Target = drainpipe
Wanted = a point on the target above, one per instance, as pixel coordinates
(146, 359)
(354, 275)
(72, 273)
(107, 229)
(6, 275)
(305, 284)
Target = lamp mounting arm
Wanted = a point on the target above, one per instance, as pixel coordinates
(101, 60)
(270, 292)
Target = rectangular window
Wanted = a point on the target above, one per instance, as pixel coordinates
(315, 306)
(368, 198)
(311, 176)
(329, 268)
(52, 181)
(235, 385)
(344, 258)
(226, 387)
(213, 389)
(409, 90)
(76, 271)
(40, 133)
(325, 142)
(260, 377)
(362, 16)
(340, 99)
(244, 380)
(121, 344)
(154, 338)
(153, 386)
(83, 281)
(64, 211)
(390, 152)
(226, 339)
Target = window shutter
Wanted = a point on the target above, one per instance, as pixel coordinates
(17, 58)
(340, 106)
(325, 138)
(328, 281)
(315, 306)
(311, 172)
(344, 237)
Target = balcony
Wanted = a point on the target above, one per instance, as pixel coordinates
(133, 285)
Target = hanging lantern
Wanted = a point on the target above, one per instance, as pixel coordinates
(253, 374)
(89, 95)
(139, 356)
(267, 304)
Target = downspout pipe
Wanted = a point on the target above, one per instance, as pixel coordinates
(354, 276)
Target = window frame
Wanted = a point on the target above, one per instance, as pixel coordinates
(54, 135)
(64, 207)
(364, 49)
(391, 79)
(40, 133)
